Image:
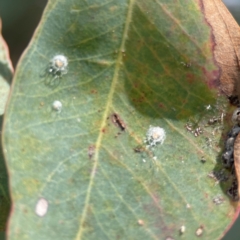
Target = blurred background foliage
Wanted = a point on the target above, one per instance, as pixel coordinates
(19, 20)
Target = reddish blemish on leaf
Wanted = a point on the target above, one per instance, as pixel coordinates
(212, 78)
(136, 85)
(155, 210)
(161, 105)
(190, 78)
(94, 91)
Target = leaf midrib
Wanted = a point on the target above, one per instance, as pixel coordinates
(105, 114)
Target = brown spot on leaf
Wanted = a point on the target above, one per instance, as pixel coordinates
(190, 78)
(161, 105)
(139, 149)
(118, 122)
(91, 151)
(93, 91)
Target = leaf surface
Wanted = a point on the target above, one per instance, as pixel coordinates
(90, 171)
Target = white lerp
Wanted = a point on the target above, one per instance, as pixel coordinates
(155, 135)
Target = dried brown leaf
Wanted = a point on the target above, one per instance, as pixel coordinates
(226, 42)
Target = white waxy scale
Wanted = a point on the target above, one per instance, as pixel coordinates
(57, 106)
(182, 229)
(58, 65)
(155, 135)
(41, 207)
(199, 231)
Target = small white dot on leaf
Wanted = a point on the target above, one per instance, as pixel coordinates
(41, 207)
(57, 106)
(140, 222)
(188, 206)
(199, 231)
(182, 229)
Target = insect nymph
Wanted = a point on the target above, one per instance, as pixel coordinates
(58, 66)
(154, 136)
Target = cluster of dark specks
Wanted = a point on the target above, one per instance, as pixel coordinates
(234, 100)
(214, 120)
(218, 176)
(233, 190)
(210, 142)
(228, 154)
(218, 200)
(195, 131)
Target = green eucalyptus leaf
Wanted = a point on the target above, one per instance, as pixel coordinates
(97, 167)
